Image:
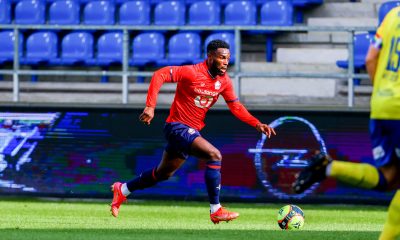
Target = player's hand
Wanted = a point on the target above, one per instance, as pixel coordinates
(264, 128)
(147, 115)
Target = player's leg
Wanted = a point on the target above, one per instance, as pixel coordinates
(391, 229)
(361, 175)
(384, 175)
(166, 168)
(204, 150)
(179, 138)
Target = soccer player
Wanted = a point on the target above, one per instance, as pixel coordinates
(198, 88)
(382, 64)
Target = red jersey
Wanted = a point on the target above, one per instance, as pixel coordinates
(196, 92)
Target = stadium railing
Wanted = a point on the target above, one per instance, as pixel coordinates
(237, 74)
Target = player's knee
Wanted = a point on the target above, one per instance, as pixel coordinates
(388, 178)
(215, 155)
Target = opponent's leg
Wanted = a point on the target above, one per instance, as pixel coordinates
(391, 229)
(204, 150)
(314, 172)
(361, 175)
(167, 167)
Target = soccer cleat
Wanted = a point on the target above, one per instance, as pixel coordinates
(223, 215)
(118, 198)
(314, 172)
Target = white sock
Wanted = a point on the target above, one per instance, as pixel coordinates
(328, 170)
(214, 207)
(124, 189)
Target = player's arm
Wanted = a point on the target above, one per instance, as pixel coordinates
(161, 76)
(240, 111)
(371, 61)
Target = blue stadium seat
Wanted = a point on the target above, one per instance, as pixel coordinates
(204, 13)
(184, 48)
(190, 2)
(240, 13)
(5, 12)
(99, 13)
(41, 48)
(302, 5)
(53, 1)
(225, 2)
(361, 45)
(110, 49)
(76, 48)
(148, 49)
(7, 46)
(154, 2)
(169, 13)
(275, 13)
(134, 13)
(30, 12)
(64, 12)
(227, 37)
(306, 3)
(385, 8)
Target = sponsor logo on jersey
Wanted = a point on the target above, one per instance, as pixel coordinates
(203, 101)
(378, 152)
(206, 92)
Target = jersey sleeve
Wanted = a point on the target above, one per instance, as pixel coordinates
(236, 107)
(377, 39)
(240, 111)
(229, 93)
(382, 31)
(168, 74)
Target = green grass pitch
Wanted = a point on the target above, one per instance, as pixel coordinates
(74, 220)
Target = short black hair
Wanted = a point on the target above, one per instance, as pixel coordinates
(215, 44)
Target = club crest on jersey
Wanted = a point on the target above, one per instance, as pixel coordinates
(217, 85)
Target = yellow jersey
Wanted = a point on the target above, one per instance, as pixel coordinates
(385, 100)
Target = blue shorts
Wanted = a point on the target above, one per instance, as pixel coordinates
(180, 138)
(385, 137)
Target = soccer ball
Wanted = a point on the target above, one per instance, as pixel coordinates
(290, 217)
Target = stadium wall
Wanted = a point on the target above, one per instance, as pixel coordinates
(79, 152)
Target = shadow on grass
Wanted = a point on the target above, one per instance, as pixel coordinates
(220, 234)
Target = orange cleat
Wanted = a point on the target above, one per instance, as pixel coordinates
(118, 198)
(223, 215)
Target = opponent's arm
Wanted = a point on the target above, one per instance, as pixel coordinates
(372, 58)
(371, 62)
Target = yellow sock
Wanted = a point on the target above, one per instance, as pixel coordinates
(357, 174)
(391, 229)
